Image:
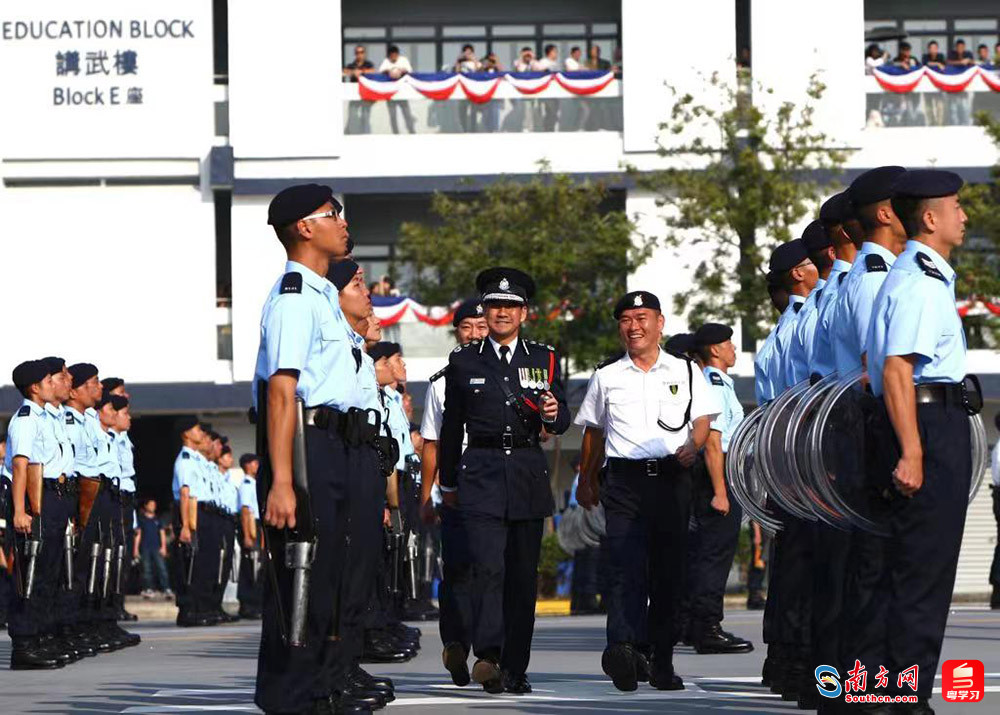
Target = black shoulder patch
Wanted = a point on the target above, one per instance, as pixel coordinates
(716, 379)
(69, 418)
(927, 266)
(610, 360)
(291, 283)
(874, 263)
(541, 345)
(440, 373)
(24, 411)
(185, 455)
(819, 294)
(797, 307)
(840, 278)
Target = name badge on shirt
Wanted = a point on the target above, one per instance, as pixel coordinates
(477, 380)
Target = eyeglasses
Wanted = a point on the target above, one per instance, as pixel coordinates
(326, 214)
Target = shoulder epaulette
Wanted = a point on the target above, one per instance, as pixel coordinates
(610, 360)
(716, 379)
(875, 263)
(24, 411)
(291, 283)
(841, 277)
(797, 307)
(470, 344)
(69, 418)
(185, 455)
(541, 345)
(819, 294)
(927, 266)
(440, 373)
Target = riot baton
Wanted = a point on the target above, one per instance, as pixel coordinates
(33, 544)
(300, 550)
(68, 553)
(222, 562)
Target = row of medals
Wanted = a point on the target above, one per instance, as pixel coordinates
(533, 378)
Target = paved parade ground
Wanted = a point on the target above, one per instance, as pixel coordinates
(211, 670)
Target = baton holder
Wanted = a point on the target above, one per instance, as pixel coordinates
(299, 557)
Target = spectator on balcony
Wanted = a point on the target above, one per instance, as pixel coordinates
(467, 61)
(491, 63)
(996, 54)
(396, 65)
(550, 62)
(874, 57)
(361, 65)
(983, 56)
(572, 62)
(905, 58)
(525, 61)
(934, 57)
(960, 55)
(594, 60)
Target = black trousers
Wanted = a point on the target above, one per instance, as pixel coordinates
(921, 551)
(226, 540)
(715, 547)
(250, 590)
(498, 586)
(93, 607)
(289, 679)
(66, 596)
(647, 525)
(832, 547)
(995, 567)
(205, 575)
(792, 579)
(178, 569)
(122, 517)
(455, 609)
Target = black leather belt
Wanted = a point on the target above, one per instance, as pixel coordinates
(502, 441)
(645, 467)
(947, 393)
(61, 485)
(352, 426)
(324, 417)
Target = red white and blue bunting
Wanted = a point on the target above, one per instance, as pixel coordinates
(391, 310)
(479, 87)
(951, 79)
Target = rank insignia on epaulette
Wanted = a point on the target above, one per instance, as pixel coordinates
(927, 266)
(69, 418)
(24, 411)
(185, 455)
(874, 263)
(716, 379)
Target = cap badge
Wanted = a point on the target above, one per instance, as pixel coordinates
(638, 301)
(479, 310)
(504, 284)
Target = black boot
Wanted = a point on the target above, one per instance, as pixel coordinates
(619, 663)
(27, 654)
(715, 640)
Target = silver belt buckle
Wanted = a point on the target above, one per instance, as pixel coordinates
(507, 441)
(652, 468)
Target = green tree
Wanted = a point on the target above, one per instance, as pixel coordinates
(555, 229)
(977, 263)
(740, 178)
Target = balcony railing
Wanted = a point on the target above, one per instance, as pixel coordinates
(928, 106)
(509, 111)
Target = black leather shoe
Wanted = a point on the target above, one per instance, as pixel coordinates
(715, 640)
(516, 684)
(56, 650)
(664, 681)
(92, 636)
(124, 615)
(81, 644)
(486, 672)
(128, 639)
(27, 655)
(360, 680)
(808, 699)
(619, 663)
(334, 705)
(381, 650)
(455, 660)
(376, 682)
(641, 666)
(67, 646)
(349, 697)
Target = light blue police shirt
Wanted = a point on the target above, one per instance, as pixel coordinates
(188, 473)
(764, 386)
(56, 421)
(126, 461)
(782, 341)
(731, 415)
(248, 496)
(302, 328)
(821, 360)
(86, 442)
(230, 494)
(854, 305)
(399, 426)
(30, 435)
(107, 457)
(915, 314)
(367, 384)
(796, 363)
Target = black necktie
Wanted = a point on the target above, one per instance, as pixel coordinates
(504, 352)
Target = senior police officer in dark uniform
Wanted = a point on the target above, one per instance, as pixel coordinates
(503, 390)
(306, 353)
(649, 412)
(916, 362)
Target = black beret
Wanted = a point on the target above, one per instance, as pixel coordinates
(105, 400)
(383, 350)
(815, 238)
(773, 279)
(82, 372)
(836, 209)
(297, 202)
(119, 402)
(53, 364)
(928, 184)
(471, 308)
(341, 273)
(183, 424)
(874, 185)
(680, 343)
(505, 284)
(245, 459)
(788, 255)
(112, 383)
(636, 299)
(712, 334)
(28, 373)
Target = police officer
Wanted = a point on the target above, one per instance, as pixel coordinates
(791, 265)
(250, 586)
(33, 446)
(503, 390)
(188, 489)
(127, 486)
(819, 247)
(469, 324)
(917, 350)
(717, 518)
(764, 383)
(995, 488)
(307, 352)
(649, 412)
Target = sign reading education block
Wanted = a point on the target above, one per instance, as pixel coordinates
(105, 79)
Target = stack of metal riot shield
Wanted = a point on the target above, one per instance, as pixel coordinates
(581, 528)
(743, 473)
